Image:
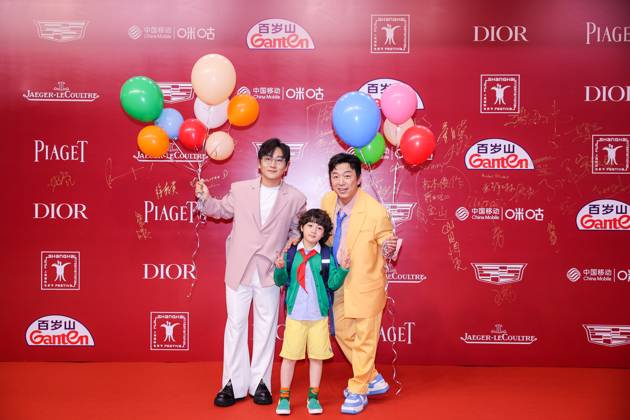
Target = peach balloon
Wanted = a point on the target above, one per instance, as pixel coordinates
(219, 145)
(213, 78)
(394, 132)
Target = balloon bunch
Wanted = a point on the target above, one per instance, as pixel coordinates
(356, 120)
(213, 79)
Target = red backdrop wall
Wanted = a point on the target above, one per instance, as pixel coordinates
(500, 266)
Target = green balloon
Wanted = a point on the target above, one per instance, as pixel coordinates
(373, 151)
(142, 99)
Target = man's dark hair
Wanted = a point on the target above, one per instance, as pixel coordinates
(269, 146)
(320, 217)
(352, 160)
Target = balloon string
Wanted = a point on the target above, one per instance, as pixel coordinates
(201, 220)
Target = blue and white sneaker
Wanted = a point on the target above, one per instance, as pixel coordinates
(377, 386)
(354, 403)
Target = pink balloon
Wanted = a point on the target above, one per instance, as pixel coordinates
(398, 102)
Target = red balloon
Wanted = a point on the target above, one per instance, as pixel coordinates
(417, 144)
(192, 133)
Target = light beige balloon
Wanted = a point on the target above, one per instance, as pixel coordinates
(394, 132)
(213, 78)
(219, 145)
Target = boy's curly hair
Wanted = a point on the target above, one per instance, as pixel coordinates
(320, 217)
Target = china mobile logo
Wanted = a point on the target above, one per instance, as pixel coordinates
(389, 34)
(604, 215)
(61, 31)
(60, 270)
(497, 154)
(375, 89)
(519, 214)
(173, 155)
(169, 331)
(500, 93)
(297, 149)
(58, 330)
(60, 93)
(175, 92)
(610, 153)
(498, 335)
(609, 275)
(499, 273)
(398, 334)
(607, 335)
(280, 93)
(278, 34)
(189, 33)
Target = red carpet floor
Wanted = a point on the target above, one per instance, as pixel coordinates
(159, 391)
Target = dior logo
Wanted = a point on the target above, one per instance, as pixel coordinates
(169, 271)
(500, 33)
(63, 211)
(616, 93)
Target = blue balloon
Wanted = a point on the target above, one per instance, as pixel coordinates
(356, 118)
(170, 120)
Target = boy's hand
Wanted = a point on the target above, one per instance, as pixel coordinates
(344, 260)
(280, 261)
(201, 190)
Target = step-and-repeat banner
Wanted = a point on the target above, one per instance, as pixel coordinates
(516, 232)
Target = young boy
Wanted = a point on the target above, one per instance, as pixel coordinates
(307, 305)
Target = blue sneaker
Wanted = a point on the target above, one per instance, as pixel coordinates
(377, 386)
(354, 403)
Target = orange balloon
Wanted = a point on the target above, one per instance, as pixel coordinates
(153, 141)
(243, 110)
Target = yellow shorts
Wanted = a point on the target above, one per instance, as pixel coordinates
(300, 335)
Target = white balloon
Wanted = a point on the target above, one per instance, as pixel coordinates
(212, 116)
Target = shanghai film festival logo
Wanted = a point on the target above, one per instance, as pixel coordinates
(611, 154)
(60, 270)
(389, 34)
(169, 330)
(500, 93)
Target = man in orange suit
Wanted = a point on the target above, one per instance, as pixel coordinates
(362, 228)
(265, 213)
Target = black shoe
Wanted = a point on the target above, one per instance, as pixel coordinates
(262, 395)
(225, 397)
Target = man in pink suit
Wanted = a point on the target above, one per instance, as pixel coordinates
(265, 214)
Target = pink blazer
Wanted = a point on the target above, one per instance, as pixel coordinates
(251, 244)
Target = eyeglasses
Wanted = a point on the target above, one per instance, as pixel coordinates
(268, 160)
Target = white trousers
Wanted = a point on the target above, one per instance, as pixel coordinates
(246, 376)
